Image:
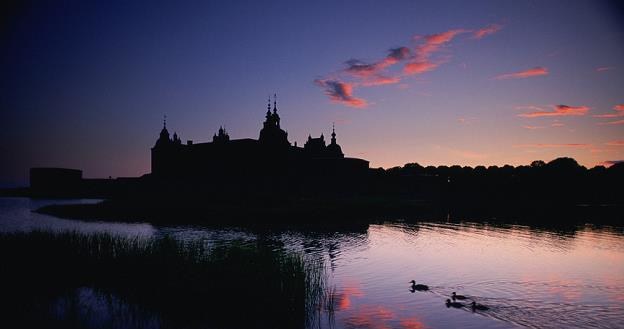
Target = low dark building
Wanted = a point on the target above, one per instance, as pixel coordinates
(55, 181)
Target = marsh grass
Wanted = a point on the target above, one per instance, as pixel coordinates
(184, 283)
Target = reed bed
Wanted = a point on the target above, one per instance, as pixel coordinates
(186, 284)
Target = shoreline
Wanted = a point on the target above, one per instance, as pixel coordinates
(336, 213)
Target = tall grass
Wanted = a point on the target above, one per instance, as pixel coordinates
(185, 283)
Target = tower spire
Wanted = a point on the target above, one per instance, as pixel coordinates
(274, 103)
(333, 135)
(165, 121)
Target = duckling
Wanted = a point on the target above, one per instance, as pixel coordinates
(453, 304)
(419, 287)
(460, 297)
(478, 307)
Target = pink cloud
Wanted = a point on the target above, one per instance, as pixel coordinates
(490, 29)
(357, 73)
(419, 67)
(379, 80)
(433, 42)
(361, 69)
(558, 110)
(557, 124)
(616, 143)
(341, 92)
(619, 112)
(604, 68)
(534, 72)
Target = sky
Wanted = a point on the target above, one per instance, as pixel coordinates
(85, 84)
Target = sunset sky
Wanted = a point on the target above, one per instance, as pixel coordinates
(85, 84)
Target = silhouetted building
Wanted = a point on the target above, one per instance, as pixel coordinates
(270, 154)
(55, 181)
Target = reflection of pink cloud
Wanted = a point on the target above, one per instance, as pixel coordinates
(558, 110)
(344, 297)
(412, 323)
(369, 316)
(619, 112)
(341, 92)
(490, 29)
(534, 72)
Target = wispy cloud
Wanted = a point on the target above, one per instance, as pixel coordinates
(616, 143)
(547, 145)
(533, 127)
(467, 121)
(604, 68)
(341, 92)
(619, 112)
(490, 29)
(611, 123)
(558, 110)
(610, 163)
(534, 72)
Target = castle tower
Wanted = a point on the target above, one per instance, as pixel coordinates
(333, 149)
(271, 134)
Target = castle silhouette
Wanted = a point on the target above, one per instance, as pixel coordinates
(271, 154)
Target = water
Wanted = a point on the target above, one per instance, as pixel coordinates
(527, 276)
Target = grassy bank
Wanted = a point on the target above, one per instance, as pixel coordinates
(184, 284)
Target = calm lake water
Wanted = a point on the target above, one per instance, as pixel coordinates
(527, 276)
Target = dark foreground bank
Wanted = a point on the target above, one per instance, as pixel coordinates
(339, 213)
(153, 283)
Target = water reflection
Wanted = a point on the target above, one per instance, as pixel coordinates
(528, 275)
(17, 215)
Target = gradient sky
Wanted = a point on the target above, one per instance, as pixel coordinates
(85, 84)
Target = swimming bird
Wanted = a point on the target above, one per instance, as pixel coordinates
(453, 304)
(479, 307)
(460, 297)
(419, 287)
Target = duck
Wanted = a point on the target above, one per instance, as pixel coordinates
(478, 307)
(456, 296)
(454, 304)
(419, 287)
